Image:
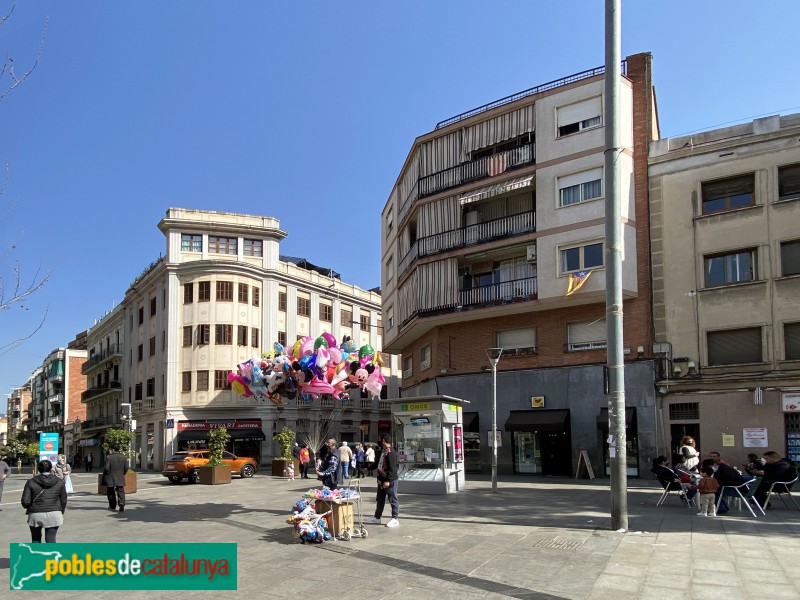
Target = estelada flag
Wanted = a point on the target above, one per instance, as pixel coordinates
(576, 281)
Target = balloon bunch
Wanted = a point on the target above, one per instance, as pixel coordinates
(312, 367)
(308, 525)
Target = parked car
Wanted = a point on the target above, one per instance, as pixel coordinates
(184, 465)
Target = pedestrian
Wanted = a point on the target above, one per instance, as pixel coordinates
(114, 479)
(63, 471)
(345, 456)
(5, 471)
(690, 457)
(45, 500)
(360, 458)
(89, 462)
(304, 458)
(387, 484)
(707, 488)
(369, 458)
(296, 451)
(329, 464)
(76, 462)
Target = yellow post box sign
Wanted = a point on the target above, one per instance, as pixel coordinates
(537, 401)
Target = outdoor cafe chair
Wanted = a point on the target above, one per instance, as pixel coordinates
(670, 486)
(781, 488)
(735, 492)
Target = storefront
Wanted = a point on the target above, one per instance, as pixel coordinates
(245, 436)
(541, 441)
(631, 441)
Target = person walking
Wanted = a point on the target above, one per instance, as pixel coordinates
(45, 500)
(114, 479)
(304, 457)
(5, 471)
(369, 458)
(89, 462)
(707, 488)
(387, 485)
(345, 456)
(360, 457)
(329, 464)
(76, 462)
(63, 471)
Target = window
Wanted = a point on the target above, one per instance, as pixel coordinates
(791, 341)
(188, 293)
(727, 269)
(517, 342)
(221, 380)
(363, 322)
(191, 243)
(151, 387)
(153, 306)
(389, 269)
(153, 346)
(163, 339)
(684, 411)
(425, 357)
(256, 296)
(202, 381)
(221, 245)
(579, 258)
(224, 291)
(579, 116)
(790, 258)
(580, 187)
(223, 335)
(242, 334)
(204, 291)
(282, 338)
(789, 182)
(586, 335)
(408, 365)
(325, 312)
(390, 317)
(141, 315)
(254, 337)
(141, 352)
(346, 317)
(187, 335)
(253, 248)
(303, 309)
(138, 393)
(734, 346)
(728, 194)
(203, 335)
(186, 384)
(244, 293)
(282, 301)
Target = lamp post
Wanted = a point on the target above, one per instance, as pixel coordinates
(494, 358)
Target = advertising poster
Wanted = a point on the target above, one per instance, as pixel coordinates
(458, 444)
(755, 437)
(48, 446)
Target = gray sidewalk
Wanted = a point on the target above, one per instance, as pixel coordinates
(534, 538)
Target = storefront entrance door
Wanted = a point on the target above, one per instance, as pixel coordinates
(556, 453)
(527, 458)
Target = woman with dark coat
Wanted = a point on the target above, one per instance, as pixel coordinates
(45, 500)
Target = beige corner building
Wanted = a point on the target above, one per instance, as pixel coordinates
(725, 224)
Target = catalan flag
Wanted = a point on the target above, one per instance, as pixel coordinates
(576, 281)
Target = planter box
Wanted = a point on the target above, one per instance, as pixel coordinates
(279, 464)
(130, 483)
(214, 475)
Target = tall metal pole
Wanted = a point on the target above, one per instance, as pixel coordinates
(494, 426)
(614, 250)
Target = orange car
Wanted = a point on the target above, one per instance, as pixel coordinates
(184, 465)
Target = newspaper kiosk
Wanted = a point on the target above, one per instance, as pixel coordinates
(428, 439)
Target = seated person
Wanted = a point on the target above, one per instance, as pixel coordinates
(725, 475)
(668, 477)
(753, 464)
(775, 469)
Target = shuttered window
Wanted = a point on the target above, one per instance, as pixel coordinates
(789, 181)
(586, 335)
(728, 194)
(791, 341)
(580, 187)
(579, 116)
(499, 129)
(734, 346)
(515, 342)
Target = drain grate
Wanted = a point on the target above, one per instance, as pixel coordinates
(335, 547)
(558, 544)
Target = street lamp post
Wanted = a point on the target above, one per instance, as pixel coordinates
(494, 358)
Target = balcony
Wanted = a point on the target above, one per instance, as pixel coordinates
(108, 421)
(468, 172)
(94, 360)
(366, 405)
(101, 389)
(470, 235)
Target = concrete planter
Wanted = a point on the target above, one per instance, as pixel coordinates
(279, 464)
(130, 483)
(214, 475)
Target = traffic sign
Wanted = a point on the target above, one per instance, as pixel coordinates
(170, 423)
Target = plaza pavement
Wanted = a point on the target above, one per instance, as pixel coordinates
(534, 539)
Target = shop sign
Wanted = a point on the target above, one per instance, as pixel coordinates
(790, 401)
(755, 437)
(206, 426)
(537, 401)
(416, 406)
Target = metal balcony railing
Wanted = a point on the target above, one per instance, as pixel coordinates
(96, 359)
(498, 293)
(106, 421)
(100, 389)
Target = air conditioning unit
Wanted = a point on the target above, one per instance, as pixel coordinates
(532, 253)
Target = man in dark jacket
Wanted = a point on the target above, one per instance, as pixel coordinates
(387, 484)
(45, 500)
(725, 475)
(114, 479)
(775, 469)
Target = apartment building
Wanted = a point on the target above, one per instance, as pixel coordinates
(19, 408)
(222, 294)
(493, 215)
(726, 287)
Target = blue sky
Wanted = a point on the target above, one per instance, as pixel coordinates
(304, 111)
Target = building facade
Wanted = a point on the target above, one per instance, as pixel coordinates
(495, 213)
(220, 295)
(726, 287)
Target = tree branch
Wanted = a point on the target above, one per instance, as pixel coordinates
(8, 66)
(16, 343)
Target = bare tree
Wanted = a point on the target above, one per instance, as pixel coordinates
(317, 422)
(9, 76)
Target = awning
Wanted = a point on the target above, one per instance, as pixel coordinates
(537, 420)
(247, 435)
(192, 436)
(56, 369)
(630, 416)
(498, 188)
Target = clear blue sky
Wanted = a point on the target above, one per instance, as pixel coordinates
(304, 111)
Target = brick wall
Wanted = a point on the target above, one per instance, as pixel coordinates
(77, 385)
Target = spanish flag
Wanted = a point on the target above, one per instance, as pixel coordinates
(576, 281)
